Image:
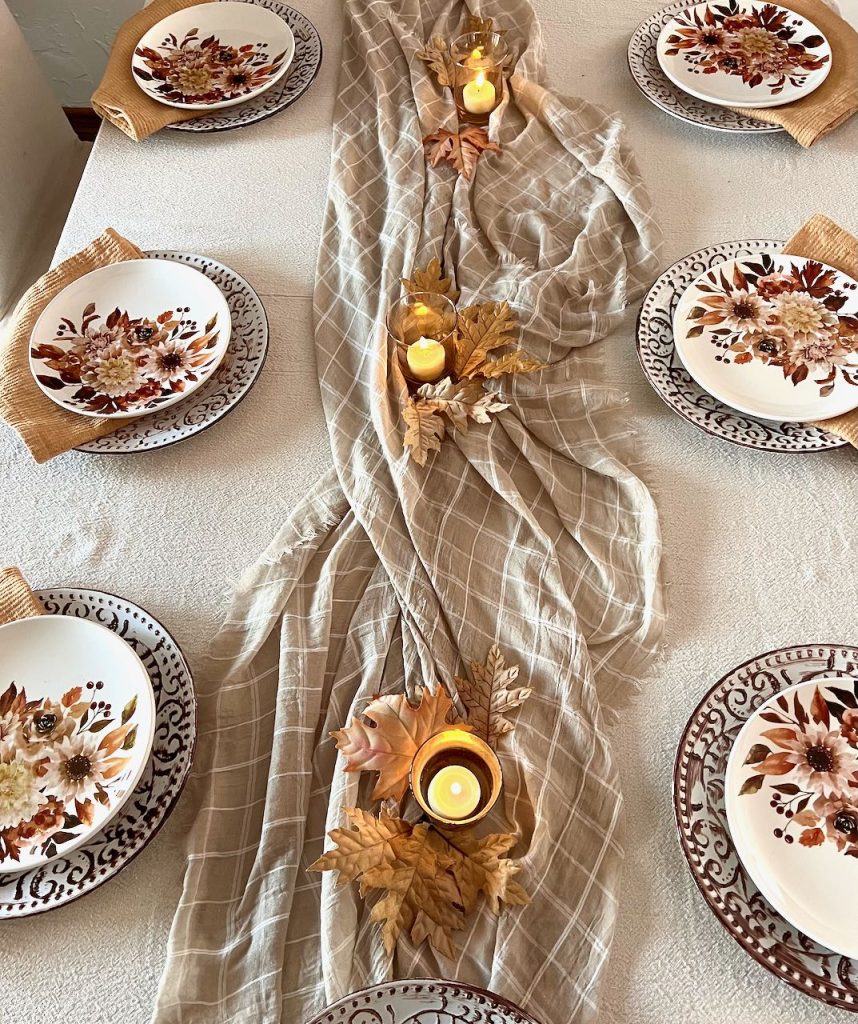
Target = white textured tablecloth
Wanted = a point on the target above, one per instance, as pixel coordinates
(760, 550)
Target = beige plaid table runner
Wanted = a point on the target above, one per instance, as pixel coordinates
(529, 532)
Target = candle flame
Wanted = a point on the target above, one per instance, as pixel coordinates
(480, 79)
(477, 54)
(456, 789)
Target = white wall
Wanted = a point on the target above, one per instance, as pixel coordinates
(71, 40)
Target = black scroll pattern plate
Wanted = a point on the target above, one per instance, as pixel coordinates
(296, 81)
(658, 89)
(67, 878)
(422, 1001)
(229, 384)
(698, 793)
(680, 391)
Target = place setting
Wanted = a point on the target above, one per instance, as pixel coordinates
(207, 66)
(766, 802)
(97, 734)
(749, 67)
(119, 350)
(756, 342)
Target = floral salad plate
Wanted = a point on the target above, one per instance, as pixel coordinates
(745, 54)
(77, 720)
(792, 807)
(773, 336)
(130, 338)
(213, 55)
(422, 1002)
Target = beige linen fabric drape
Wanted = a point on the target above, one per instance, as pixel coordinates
(529, 532)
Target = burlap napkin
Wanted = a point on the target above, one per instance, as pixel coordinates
(46, 428)
(17, 601)
(836, 100)
(118, 98)
(821, 239)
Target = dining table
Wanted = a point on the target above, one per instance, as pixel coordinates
(759, 548)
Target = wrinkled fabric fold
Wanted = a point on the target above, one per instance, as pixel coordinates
(530, 532)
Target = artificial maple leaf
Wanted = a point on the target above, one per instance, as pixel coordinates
(459, 149)
(513, 362)
(421, 895)
(369, 841)
(489, 697)
(461, 400)
(389, 744)
(424, 429)
(481, 330)
(430, 280)
(481, 866)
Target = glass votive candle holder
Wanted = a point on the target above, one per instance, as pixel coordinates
(456, 778)
(480, 59)
(423, 326)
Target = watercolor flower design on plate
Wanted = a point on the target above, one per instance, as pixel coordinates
(57, 759)
(125, 364)
(207, 70)
(810, 762)
(763, 46)
(787, 319)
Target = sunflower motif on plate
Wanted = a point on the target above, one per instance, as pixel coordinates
(761, 45)
(203, 71)
(58, 759)
(127, 364)
(806, 765)
(774, 336)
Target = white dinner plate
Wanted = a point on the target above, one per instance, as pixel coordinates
(773, 336)
(77, 719)
(744, 53)
(792, 807)
(213, 55)
(130, 338)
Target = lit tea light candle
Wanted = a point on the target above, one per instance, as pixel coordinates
(454, 793)
(455, 778)
(426, 359)
(479, 95)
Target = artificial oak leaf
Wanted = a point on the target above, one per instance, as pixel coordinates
(461, 400)
(419, 882)
(512, 362)
(389, 744)
(437, 55)
(430, 280)
(480, 865)
(369, 842)
(459, 149)
(481, 330)
(424, 429)
(489, 697)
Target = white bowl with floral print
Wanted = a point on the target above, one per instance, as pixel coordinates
(744, 53)
(791, 796)
(77, 720)
(773, 336)
(213, 55)
(130, 338)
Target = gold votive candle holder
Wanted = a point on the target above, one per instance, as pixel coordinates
(453, 758)
(478, 90)
(418, 316)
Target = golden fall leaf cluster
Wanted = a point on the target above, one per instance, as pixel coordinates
(429, 879)
(482, 330)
